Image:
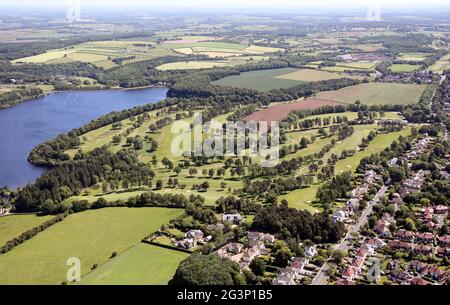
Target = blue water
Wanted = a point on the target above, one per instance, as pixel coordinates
(24, 126)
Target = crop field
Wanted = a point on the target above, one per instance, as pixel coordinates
(204, 64)
(141, 265)
(412, 56)
(14, 225)
(376, 94)
(404, 68)
(281, 111)
(266, 80)
(442, 64)
(101, 53)
(91, 236)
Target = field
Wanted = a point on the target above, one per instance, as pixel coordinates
(303, 199)
(141, 265)
(193, 65)
(442, 64)
(412, 56)
(376, 94)
(404, 68)
(91, 236)
(281, 111)
(216, 48)
(101, 53)
(14, 225)
(266, 80)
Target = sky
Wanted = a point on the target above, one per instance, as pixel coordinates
(232, 3)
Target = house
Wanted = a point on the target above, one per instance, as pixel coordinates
(418, 281)
(440, 251)
(397, 199)
(435, 273)
(382, 229)
(216, 226)
(404, 235)
(258, 236)
(357, 264)
(298, 264)
(397, 244)
(418, 266)
(250, 254)
(394, 265)
(423, 249)
(186, 244)
(233, 218)
(426, 237)
(349, 274)
(339, 216)
(362, 253)
(287, 276)
(440, 209)
(310, 251)
(235, 248)
(376, 243)
(444, 240)
(196, 235)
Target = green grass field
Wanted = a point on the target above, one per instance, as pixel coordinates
(412, 56)
(302, 199)
(404, 68)
(266, 80)
(191, 65)
(14, 225)
(141, 265)
(91, 236)
(377, 94)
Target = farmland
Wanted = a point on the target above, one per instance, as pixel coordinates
(14, 225)
(442, 64)
(281, 111)
(91, 236)
(266, 80)
(376, 94)
(404, 68)
(140, 265)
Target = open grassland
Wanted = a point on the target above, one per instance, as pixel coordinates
(191, 65)
(91, 236)
(376, 94)
(101, 53)
(377, 145)
(309, 75)
(404, 68)
(141, 265)
(442, 64)
(13, 225)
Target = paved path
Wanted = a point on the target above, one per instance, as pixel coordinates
(345, 243)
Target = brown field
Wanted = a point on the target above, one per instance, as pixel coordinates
(281, 111)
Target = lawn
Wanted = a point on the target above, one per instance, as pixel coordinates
(91, 236)
(13, 225)
(141, 265)
(404, 68)
(376, 94)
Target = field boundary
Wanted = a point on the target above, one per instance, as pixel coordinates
(166, 246)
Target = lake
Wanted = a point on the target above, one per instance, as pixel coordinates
(26, 125)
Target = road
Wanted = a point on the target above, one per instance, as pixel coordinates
(344, 245)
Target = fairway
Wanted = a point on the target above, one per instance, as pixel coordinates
(91, 236)
(302, 199)
(376, 94)
(141, 265)
(13, 225)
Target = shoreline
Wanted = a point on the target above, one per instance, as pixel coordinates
(84, 90)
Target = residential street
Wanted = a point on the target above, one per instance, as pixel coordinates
(345, 243)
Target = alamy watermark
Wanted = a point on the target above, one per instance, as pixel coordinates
(259, 140)
(374, 12)
(73, 274)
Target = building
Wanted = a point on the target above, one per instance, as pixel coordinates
(258, 236)
(195, 235)
(233, 218)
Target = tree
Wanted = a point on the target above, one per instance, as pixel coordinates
(258, 266)
(159, 184)
(48, 207)
(337, 256)
(210, 269)
(397, 174)
(177, 170)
